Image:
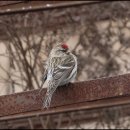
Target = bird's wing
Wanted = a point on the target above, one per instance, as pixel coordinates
(44, 76)
(61, 71)
(57, 73)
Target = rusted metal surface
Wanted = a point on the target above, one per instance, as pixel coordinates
(77, 116)
(77, 96)
(39, 5)
(97, 104)
(7, 3)
(67, 119)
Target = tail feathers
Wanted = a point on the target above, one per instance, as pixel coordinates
(47, 100)
(43, 85)
(50, 90)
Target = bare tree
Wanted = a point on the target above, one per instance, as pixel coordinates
(103, 48)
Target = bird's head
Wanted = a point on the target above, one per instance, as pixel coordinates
(64, 47)
(61, 49)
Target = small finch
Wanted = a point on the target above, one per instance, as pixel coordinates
(60, 69)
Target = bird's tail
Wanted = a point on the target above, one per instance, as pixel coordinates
(51, 88)
(43, 85)
(47, 100)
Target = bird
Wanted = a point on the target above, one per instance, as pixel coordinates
(60, 69)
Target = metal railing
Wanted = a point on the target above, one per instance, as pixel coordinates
(29, 6)
(91, 94)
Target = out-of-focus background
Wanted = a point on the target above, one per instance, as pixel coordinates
(98, 34)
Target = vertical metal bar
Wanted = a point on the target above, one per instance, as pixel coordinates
(42, 122)
(30, 123)
(59, 121)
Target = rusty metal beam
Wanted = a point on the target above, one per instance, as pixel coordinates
(75, 107)
(27, 6)
(8, 3)
(91, 94)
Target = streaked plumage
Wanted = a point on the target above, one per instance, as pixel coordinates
(61, 68)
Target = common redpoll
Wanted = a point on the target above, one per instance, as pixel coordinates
(60, 69)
